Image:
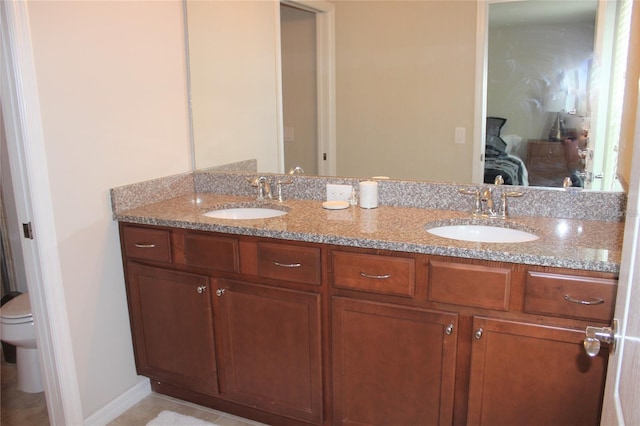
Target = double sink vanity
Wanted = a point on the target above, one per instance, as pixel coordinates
(363, 316)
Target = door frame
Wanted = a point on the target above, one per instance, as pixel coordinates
(628, 284)
(326, 83)
(25, 143)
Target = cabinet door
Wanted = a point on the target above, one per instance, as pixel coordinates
(270, 348)
(526, 374)
(172, 323)
(392, 365)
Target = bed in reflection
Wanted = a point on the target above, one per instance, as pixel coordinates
(503, 155)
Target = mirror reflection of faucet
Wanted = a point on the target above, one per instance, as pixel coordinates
(297, 170)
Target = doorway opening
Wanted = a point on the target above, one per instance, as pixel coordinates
(307, 90)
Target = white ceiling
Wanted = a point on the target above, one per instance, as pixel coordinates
(541, 11)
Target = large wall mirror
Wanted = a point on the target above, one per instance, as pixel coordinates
(398, 88)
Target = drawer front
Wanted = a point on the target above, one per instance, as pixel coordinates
(570, 296)
(211, 252)
(146, 243)
(546, 149)
(289, 263)
(469, 285)
(394, 276)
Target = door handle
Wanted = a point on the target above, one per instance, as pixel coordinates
(597, 335)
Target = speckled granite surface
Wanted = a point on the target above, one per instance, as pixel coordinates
(557, 203)
(569, 243)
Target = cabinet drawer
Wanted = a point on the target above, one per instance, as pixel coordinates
(545, 149)
(570, 296)
(289, 263)
(211, 252)
(469, 285)
(146, 243)
(394, 276)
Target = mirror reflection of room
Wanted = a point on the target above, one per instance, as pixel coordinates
(543, 84)
(403, 90)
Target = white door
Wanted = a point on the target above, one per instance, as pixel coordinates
(622, 390)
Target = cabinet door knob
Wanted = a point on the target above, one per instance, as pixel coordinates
(220, 291)
(448, 330)
(478, 334)
(201, 289)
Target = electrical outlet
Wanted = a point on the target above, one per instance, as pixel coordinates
(338, 192)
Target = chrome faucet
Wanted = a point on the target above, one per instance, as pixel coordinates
(486, 197)
(297, 170)
(484, 206)
(264, 188)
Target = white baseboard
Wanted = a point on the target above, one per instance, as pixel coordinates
(115, 408)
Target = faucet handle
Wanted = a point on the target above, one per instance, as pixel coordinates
(279, 186)
(503, 199)
(512, 194)
(499, 180)
(477, 208)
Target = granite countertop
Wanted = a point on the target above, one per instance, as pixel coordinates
(566, 243)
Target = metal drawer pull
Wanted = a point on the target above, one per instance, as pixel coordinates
(287, 265)
(596, 301)
(375, 277)
(145, 245)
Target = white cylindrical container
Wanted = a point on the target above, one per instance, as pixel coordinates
(368, 194)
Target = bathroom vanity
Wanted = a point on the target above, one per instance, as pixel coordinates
(362, 317)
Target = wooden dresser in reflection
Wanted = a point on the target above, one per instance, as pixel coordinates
(546, 163)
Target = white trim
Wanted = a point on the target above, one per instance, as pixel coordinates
(122, 403)
(479, 121)
(326, 54)
(279, 93)
(25, 142)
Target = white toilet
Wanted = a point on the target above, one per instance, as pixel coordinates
(16, 328)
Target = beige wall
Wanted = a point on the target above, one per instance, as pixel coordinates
(629, 110)
(405, 80)
(111, 81)
(233, 80)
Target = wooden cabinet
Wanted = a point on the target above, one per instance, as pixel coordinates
(530, 374)
(294, 333)
(171, 314)
(392, 365)
(269, 348)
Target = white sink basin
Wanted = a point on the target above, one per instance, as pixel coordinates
(245, 213)
(483, 234)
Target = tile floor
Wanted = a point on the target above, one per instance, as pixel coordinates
(19, 408)
(27, 409)
(153, 404)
